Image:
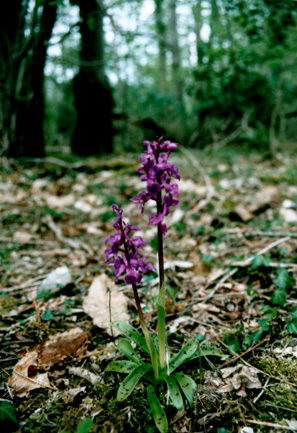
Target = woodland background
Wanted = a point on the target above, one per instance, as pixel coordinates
(82, 84)
(96, 76)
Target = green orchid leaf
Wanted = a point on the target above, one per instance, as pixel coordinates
(124, 346)
(131, 381)
(210, 351)
(183, 355)
(157, 410)
(131, 333)
(174, 393)
(121, 366)
(187, 385)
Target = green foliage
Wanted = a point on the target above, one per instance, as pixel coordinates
(136, 368)
(157, 410)
(292, 322)
(7, 412)
(282, 281)
(85, 425)
(47, 315)
(259, 261)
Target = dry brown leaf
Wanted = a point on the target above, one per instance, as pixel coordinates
(61, 346)
(243, 213)
(264, 197)
(61, 202)
(20, 382)
(289, 215)
(240, 376)
(70, 394)
(26, 376)
(100, 304)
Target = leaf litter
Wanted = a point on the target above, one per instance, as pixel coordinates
(234, 230)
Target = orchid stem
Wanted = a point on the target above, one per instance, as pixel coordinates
(138, 305)
(147, 336)
(161, 299)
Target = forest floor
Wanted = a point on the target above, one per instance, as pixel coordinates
(231, 276)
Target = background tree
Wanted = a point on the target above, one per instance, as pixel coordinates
(93, 100)
(24, 42)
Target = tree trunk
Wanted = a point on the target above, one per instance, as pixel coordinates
(176, 63)
(161, 35)
(197, 9)
(24, 107)
(92, 95)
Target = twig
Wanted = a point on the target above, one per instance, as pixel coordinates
(208, 184)
(264, 250)
(244, 353)
(262, 390)
(59, 235)
(259, 233)
(85, 374)
(271, 424)
(33, 281)
(227, 274)
(251, 366)
(279, 407)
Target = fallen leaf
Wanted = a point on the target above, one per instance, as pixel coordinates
(239, 376)
(83, 206)
(292, 424)
(286, 351)
(61, 202)
(70, 394)
(243, 213)
(178, 264)
(22, 236)
(26, 376)
(61, 346)
(20, 383)
(289, 215)
(264, 197)
(57, 279)
(100, 304)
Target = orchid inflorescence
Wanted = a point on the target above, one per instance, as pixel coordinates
(157, 173)
(123, 253)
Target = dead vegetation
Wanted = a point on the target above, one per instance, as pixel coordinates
(231, 276)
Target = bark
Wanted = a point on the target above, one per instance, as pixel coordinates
(161, 35)
(23, 105)
(93, 100)
(176, 62)
(197, 9)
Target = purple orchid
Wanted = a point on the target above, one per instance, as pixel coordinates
(157, 172)
(123, 251)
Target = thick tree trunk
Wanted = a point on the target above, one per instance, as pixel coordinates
(161, 35)
(23, 107)
(93, 100)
